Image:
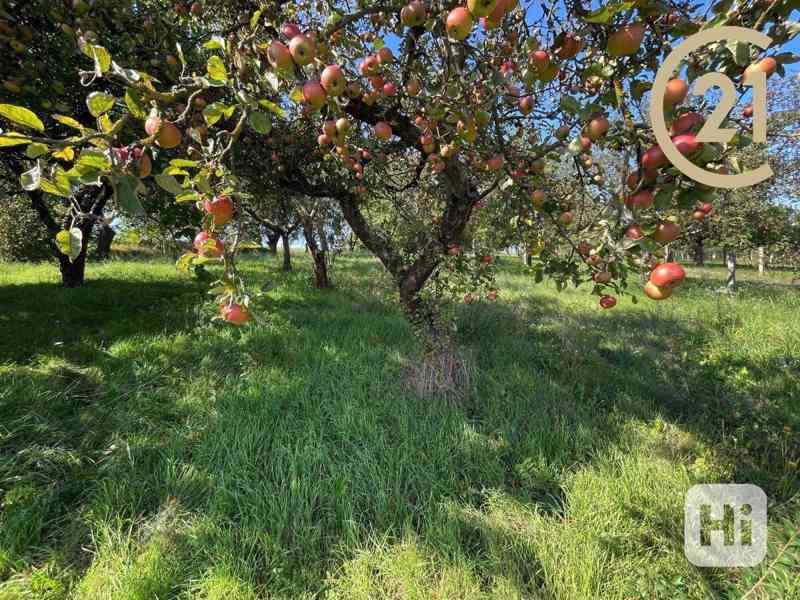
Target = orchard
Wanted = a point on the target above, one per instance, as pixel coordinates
(506, 354)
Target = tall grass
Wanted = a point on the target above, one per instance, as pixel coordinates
(145, 453)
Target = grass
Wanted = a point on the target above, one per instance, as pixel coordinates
(146, 453)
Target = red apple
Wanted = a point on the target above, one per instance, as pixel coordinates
(675, 92)
(666, 232)
(657, 292)
(234, 313)
(654, 158)
(626, 40)
(686, 123)
(369, 66)
(634, 232)
(597, 128)
(686, 143)
(459, 23)
(413, 14)
(481, 8)
(220, 208)
(290, 30)
(303, 49)
(208, 246)
(314, 93)
(332, 79)
(279, 56)
(641, 199)
(383, 131)
(526, 105)
(608, 302)
(668, 274)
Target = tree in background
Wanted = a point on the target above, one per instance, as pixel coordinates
(407, 116)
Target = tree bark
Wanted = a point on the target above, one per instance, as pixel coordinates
(323, 239)
(698, 252)
(730, 263)
(318, 256)
(669, 253)
(273, 237)
(287, 253)
(105, 237)
(761, 261)
(527, 259)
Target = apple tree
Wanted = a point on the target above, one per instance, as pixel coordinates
(409, 116)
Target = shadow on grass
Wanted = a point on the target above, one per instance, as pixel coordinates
(43, 317)
(298, 436)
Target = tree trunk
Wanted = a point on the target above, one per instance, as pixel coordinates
(73, 271)
(730, 263)
(287, 253)
(104, 239)
(272, 237)
(526, 256)
(761, 261)
(318, 255)
(669, 253)
(323, 239)
(698, 252)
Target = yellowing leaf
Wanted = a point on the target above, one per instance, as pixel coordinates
(99, 103)
(216, 69)
(69, 242)
(67, 154)
(69, 122)
(21, 116)
(13, 139)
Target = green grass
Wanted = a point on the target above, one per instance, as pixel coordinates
(147, 453)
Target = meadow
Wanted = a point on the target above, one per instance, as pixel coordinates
(146, 452)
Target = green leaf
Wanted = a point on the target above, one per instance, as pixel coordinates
(94, 159)
(69, 122)
(125, 195)
(255, 18)
(214, 112)
(378, 43)
(216, 69)
(169, 184)
(297, 95)
(135, 104)
(70, 242)
(604, 14)
(36, 150)
(272, 107)
(187, 197)
(101, 57)
(569, 104)
(100, 103)
(31, 180)
(21, 116)
(182, 162)
(260, 122)
(7, 140)
(215, 43)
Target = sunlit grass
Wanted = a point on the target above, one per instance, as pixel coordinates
(146, 453)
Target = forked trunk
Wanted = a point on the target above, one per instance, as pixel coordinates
(272, 242)
(105, 237)
(318, 256)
